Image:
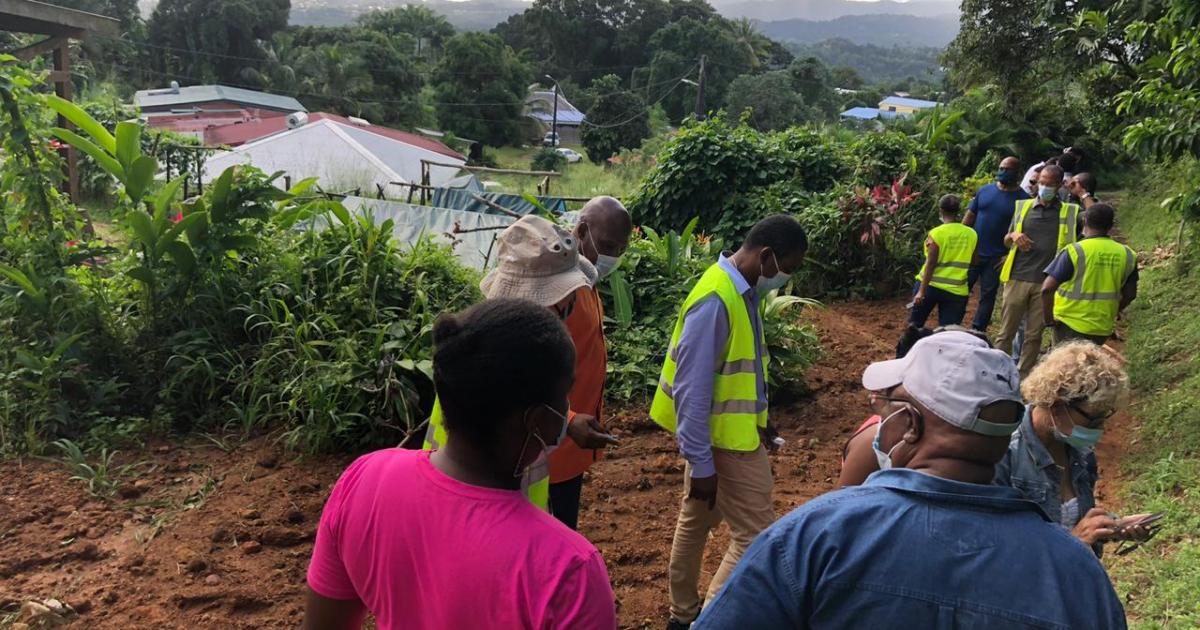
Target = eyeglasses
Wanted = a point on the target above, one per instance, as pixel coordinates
(1093, 420)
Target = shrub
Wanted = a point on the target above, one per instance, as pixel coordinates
(547, 159)
(714, 170)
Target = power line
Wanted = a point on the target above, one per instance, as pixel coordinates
(645, 111)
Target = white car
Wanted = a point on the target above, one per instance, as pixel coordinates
(571, 155)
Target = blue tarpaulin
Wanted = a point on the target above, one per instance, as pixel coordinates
(461, 199)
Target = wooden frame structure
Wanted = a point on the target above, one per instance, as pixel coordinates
(425, 186)
(60, 25)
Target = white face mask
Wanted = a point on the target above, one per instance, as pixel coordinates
(1047, 193)
(765, 284)
(518, 470)
(606, 264)
(884, 459)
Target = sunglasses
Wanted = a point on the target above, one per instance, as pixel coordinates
(1093, 419)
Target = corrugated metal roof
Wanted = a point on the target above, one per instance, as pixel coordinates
(564, 117)
(908, 102)
(861, 113)
(242, 133)
(207, 93)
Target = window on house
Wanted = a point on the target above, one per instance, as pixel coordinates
(892, 109)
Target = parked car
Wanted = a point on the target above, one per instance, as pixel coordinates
(571, 155)
(551, 139)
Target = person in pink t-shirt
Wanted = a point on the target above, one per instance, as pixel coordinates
(445, 539)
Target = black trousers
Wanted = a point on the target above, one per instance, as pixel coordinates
(564, 501)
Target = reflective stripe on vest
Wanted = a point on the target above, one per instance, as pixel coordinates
(1090, 303)
(1068, 228)
(736, 412)
(535, 484)
(956, 247)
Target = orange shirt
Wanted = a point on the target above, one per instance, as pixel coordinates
(586, 325)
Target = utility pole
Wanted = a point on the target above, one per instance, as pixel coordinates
(700, 109)
(554, 125)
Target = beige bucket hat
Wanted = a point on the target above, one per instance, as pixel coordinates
(539, 262)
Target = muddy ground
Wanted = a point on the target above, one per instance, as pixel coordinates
(219, 535)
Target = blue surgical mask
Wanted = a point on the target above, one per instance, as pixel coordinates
(1047, 193)
(765, 284)
(1081, 438)
(606, 264)
(884, 459)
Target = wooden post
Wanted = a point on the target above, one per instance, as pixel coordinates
(425, 181)
(64, 89)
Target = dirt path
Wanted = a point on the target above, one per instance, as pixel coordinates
(215, 539)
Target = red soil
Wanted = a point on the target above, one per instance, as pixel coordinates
(214, 539)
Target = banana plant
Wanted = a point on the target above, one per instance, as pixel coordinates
(157, 236)
(150, 217)
(119, 154)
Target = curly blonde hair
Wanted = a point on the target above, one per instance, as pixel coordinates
(1080, 372)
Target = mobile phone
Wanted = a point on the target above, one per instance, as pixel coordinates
(1140, 521)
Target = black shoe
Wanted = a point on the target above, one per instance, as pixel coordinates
(675, 624)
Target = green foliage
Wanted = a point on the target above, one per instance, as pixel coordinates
(710, 168)
(793, 345)
(616, 120)
(225, 35)
(1157, 583)
(101, 477)
(222, 314)
(547, 159)
(480, 85)
(770, 98)
(675, 51)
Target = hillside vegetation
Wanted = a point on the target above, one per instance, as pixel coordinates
(1162, 465)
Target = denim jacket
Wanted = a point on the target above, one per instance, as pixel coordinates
(1030, 469)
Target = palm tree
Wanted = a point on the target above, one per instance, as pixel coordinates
(335, 76)
(754, 43)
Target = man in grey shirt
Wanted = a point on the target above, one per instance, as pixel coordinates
(1040, 228)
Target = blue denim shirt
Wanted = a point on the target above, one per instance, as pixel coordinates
(1030, 469)
(909, 550)
(700, 350)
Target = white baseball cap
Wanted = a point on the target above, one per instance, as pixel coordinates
(955, 375)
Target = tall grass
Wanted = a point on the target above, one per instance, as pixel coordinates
(1160, 582)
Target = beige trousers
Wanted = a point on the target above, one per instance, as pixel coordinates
(1022, 303)
(744, 484)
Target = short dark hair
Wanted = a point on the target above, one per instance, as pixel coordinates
(1087, 180)
(495, 358)
(781, 233)
(1068, 162)
(950, 205)
(1054, 170)
(1100, 217)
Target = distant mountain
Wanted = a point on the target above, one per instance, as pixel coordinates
(877, 30)
(770, 10)
(484, 14)
(475, 15)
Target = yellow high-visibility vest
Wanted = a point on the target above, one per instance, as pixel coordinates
(535, 485)
(1090, 301)
(956, 247)
(735, 416)
(1068, 227)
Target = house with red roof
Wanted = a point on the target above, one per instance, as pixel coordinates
(343, 153)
